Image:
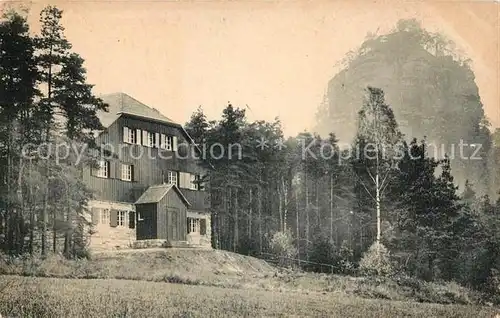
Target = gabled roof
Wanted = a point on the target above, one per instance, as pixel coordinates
(121, 103)
(155, 193)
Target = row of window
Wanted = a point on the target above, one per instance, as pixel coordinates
(126, 170)
(122, 218)
(183, 180)
(114, 218)
(149, 139)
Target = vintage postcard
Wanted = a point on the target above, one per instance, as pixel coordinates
(246, 158)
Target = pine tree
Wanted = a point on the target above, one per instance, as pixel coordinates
(18, 76)
(448, 207)
(78, 105)
(469, 195)
(198, 126)
(52, 48)
(67, 108)
(74, 97)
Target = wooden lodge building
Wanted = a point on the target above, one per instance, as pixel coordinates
(148, 191)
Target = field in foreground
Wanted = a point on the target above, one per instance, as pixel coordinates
(56, 297)
(216, 268)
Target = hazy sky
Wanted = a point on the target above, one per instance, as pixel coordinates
(275, 56)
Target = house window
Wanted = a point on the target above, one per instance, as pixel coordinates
(184, 180)
(172, 177)
(129, 135)
(193, 225)
(151, 140)
(169, 141)
(103, 170)
(188, 181)
(122, 218)
(105, 216)
(199, 184)
(193, 183)
(166, 142)
(127, 172)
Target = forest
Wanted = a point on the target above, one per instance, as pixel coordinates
(44, 101)
(388, 209)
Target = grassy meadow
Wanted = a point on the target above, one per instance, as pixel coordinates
(51, 297)
(204, 283)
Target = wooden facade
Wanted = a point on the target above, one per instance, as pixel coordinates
(164, 219)
(148, 165)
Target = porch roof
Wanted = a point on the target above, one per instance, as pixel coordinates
(155, 193)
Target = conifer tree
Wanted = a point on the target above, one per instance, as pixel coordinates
(18, 76)
(198, 126)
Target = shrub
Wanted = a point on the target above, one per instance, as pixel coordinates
(323, 251)
(376, 261)
(282, 246)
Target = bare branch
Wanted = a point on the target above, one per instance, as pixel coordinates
(371, 176)
(383, 185)
(364, 186)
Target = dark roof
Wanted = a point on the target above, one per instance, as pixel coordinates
(121, 103)
(155, 193)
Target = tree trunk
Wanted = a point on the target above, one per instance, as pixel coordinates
(54, 233)
(45, 220)
(69, 225)
(223, 227)
(307, 215)
(318, 221)
(236, 232)
(250, 216)
(20, 206)
(47, 139)
(45, 214)
(280, 206)
(31, 207)
(297, 222)
(378, 207)
(8, 213)
(285, 198)
(331, 209)
(260, 216)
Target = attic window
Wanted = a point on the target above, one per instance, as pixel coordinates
(165, 142)
(151, 139)
(129, 135)
(168, 142)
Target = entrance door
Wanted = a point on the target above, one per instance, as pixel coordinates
(173, 224)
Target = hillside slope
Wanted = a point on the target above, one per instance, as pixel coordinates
(195, 264)
(225, 269)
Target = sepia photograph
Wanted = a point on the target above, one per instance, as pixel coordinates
(250, 158)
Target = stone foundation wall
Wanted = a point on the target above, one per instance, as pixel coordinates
(149, 244)
(106, 237)
(197, 239)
